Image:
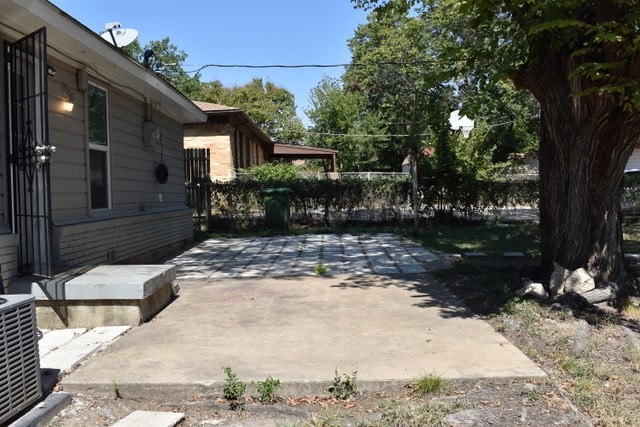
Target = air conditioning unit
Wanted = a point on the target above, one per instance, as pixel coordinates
(19, 359)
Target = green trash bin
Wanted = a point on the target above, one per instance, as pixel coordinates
(277, 206)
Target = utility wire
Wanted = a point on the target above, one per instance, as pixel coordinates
(295, 66)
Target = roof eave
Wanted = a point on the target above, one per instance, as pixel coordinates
(71, 41)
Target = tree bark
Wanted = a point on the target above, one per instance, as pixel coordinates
(585, 145)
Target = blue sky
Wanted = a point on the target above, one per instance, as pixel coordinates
(254, 32)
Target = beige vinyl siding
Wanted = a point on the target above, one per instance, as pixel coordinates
(133, 166)
(134, 186)
(146, 218)
(66, 133)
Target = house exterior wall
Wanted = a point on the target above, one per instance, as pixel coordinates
(138, 237)
(145, 215)
(217, 138)
(231, 148)
(8, 259)
(8, 240)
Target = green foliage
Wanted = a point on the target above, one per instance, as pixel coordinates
(233, 388)
(397, 96)
(432, 413)
(449, 181)
(116, 390)
(324, 201)
(429, 384)
(341, 122)
(320, 269)
(270, 106)
(354, 201)
(267, 389)
(167, 61)
(401, 84)
(343, 385)
(272, 172)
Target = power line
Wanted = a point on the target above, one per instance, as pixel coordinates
(296, 66)
(356, 135)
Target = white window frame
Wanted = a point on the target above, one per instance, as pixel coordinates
(98, 147)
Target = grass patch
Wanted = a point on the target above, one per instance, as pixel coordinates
(631, 310)
(492, 240)
(329, 418)
(632, 356)
(429, 384)
(631, 236)
(427, 414)
(485, 291)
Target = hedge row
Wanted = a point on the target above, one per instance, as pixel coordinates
(239, 204)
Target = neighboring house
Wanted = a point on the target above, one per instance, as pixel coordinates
(113, 190)
(302, 152)
(406, 163)
(236, 142)
(233, 139)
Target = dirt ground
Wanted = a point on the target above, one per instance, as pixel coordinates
(480, 402)
(592, 358)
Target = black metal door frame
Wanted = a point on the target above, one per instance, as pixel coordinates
(29, 150)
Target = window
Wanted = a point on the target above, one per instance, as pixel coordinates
(98, 147)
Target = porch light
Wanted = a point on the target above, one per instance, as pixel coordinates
(464, 124)
(67, 103)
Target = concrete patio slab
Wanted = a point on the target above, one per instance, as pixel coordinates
(300, 330)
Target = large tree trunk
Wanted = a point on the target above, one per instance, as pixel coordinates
(584, 147)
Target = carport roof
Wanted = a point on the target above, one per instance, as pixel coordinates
(302, 151)
(292, 151)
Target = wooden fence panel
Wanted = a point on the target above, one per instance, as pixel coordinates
(198, 184)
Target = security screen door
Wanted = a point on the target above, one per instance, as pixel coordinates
(29, 149)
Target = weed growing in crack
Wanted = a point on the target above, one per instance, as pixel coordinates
(320, 269)
(429, 384)
(343, 385)
(233, 388)
(116, 391)
(267, 389)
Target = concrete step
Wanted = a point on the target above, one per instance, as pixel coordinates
(149, 418)
(62, 350)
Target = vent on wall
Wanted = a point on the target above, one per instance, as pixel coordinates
(19, 360)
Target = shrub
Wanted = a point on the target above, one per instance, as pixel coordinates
(233, 388)
(272, 172)
(267, 389)
(343, 385)
(353, 201)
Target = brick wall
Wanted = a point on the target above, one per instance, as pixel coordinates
(8, 259)
(139, 238)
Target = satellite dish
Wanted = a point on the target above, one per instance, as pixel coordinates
(117, 36)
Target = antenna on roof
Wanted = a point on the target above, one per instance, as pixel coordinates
(118, 36)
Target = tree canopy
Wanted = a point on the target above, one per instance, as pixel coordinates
(272, 107)
(403, 87)
(580, 60)
(341, 122)
(167, 61)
